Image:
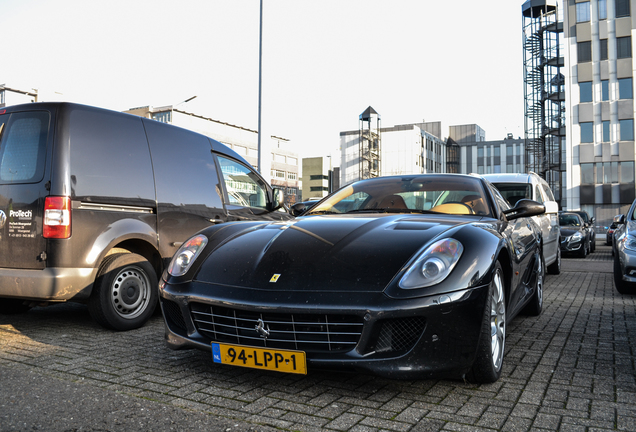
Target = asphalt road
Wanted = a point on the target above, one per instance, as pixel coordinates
(571, 369)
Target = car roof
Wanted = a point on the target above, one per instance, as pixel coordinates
(508, 178)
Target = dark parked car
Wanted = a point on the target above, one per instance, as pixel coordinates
(404, 276)
(624, 249)
(575, 237)
(94, 203)
(589, 223)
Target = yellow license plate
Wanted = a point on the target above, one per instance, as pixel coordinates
(260, 358)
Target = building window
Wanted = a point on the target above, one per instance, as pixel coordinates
(626, 172)
(625, 88)
(585, 90)
(319, 189)
(605, 90)
(587, 132)
(280, 174)
(279, 158)
(587, 173)
(584, 50)
(627, 129)
(606, 131)
(318, 177)
(622, 8)
(292, 160)
(292, 176)
(582, 12)
(603, 49)
(624, 47)
(602, 9)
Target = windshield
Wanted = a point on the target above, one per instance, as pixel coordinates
(513, 192)
(569, 220)
(448, 194)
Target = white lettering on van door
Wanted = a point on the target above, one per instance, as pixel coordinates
(20, 224)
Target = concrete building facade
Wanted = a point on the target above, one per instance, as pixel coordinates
(406, 149)
(317, 177)
(600, 111)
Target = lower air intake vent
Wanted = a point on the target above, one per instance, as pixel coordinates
(399, 334)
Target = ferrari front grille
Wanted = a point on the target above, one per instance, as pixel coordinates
(305, 332)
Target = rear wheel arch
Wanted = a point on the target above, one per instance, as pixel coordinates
(139, 247)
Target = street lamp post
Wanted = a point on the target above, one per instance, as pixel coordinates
(260, 91)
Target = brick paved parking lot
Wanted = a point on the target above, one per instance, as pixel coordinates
(571, 369)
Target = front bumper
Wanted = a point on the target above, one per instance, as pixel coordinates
(436, 335)
(627, 262)
(568, 245)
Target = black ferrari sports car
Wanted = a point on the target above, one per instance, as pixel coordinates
(405, 277)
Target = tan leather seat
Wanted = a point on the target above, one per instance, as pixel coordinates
(476, 203)
(453, 208)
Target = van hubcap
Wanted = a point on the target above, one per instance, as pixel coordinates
(130, 292)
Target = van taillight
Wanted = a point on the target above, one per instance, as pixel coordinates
(57, 217)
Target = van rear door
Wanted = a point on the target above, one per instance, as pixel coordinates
(24, 140)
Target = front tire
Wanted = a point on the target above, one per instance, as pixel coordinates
(555, 267)
(125, 294)
(582, 253)
(535, 306)
(622, 286)
(490, 350)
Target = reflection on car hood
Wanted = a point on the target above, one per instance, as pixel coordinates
(323, 253)
(568, 231)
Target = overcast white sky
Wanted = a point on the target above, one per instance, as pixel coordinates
(324, 62)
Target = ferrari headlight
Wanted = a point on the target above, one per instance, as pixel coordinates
(630, 243)
(186, 255)
(433, 265)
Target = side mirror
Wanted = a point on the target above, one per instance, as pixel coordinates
(592, 221)
(278, 198)
(620, 220)
(524, 208)
(298, 209)
(551, 207)
(301, 207)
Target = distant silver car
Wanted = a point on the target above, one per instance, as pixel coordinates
(624, 249)
(514, 187)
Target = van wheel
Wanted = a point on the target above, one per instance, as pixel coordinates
(13, 306)
(124, 295)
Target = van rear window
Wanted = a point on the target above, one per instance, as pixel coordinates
(23, 139)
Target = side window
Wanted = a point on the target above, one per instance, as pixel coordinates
(185, 173)
(548, 192)
(501, 202)
(244, 187)
(23, 139)
(537, 194)
(110, 163)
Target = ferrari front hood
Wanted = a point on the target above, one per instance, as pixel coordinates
(323, 253)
